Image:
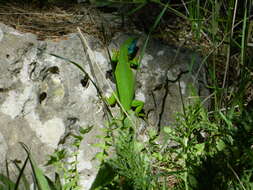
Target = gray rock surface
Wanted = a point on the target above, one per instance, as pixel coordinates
(42, 98)
(39, 96)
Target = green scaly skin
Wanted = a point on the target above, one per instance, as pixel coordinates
(125, 79)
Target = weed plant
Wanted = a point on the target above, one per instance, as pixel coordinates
(212, 148)
(65, 164)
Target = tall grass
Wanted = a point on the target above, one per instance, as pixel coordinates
(212, 146)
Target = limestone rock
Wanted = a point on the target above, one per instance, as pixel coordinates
(40, 94)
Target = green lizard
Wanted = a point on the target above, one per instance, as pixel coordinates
(122, 63)
(125, 77)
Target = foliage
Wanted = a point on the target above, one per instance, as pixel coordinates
(206, 149)
(66, 162)
(66, 175)
(203, 149)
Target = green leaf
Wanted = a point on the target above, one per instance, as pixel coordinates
(151, 30)
(99, 145)
(58, 182)
(199, 148)
(86, 130)
(220, 145)
(193, 181)
(21, 176)
(167, 130)
(100, 3)
(56, 157)
(138, 147)
(100, 156)
(105, 175)
(152, 134)
(8, 184)
(143, 3)
(228, 122)
(61, 154)
(78, 137)
(2, 187)
(39, 176)
(51, 184)
(52, 160)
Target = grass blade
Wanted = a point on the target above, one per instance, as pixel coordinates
(7, 168)
(151, 30)
(52, 185)
(21, 176)
(58, 182)
(39, 176)
(7, 183)
(136, 9)
(244, 35)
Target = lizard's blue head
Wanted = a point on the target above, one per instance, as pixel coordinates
(133, 49)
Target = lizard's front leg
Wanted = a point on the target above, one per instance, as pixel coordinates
(134, 63)
(138, 105)
(112, 99)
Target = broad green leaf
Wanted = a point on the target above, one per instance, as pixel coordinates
(39, 176)
(105, 175)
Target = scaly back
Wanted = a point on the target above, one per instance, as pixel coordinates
(125, 77)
